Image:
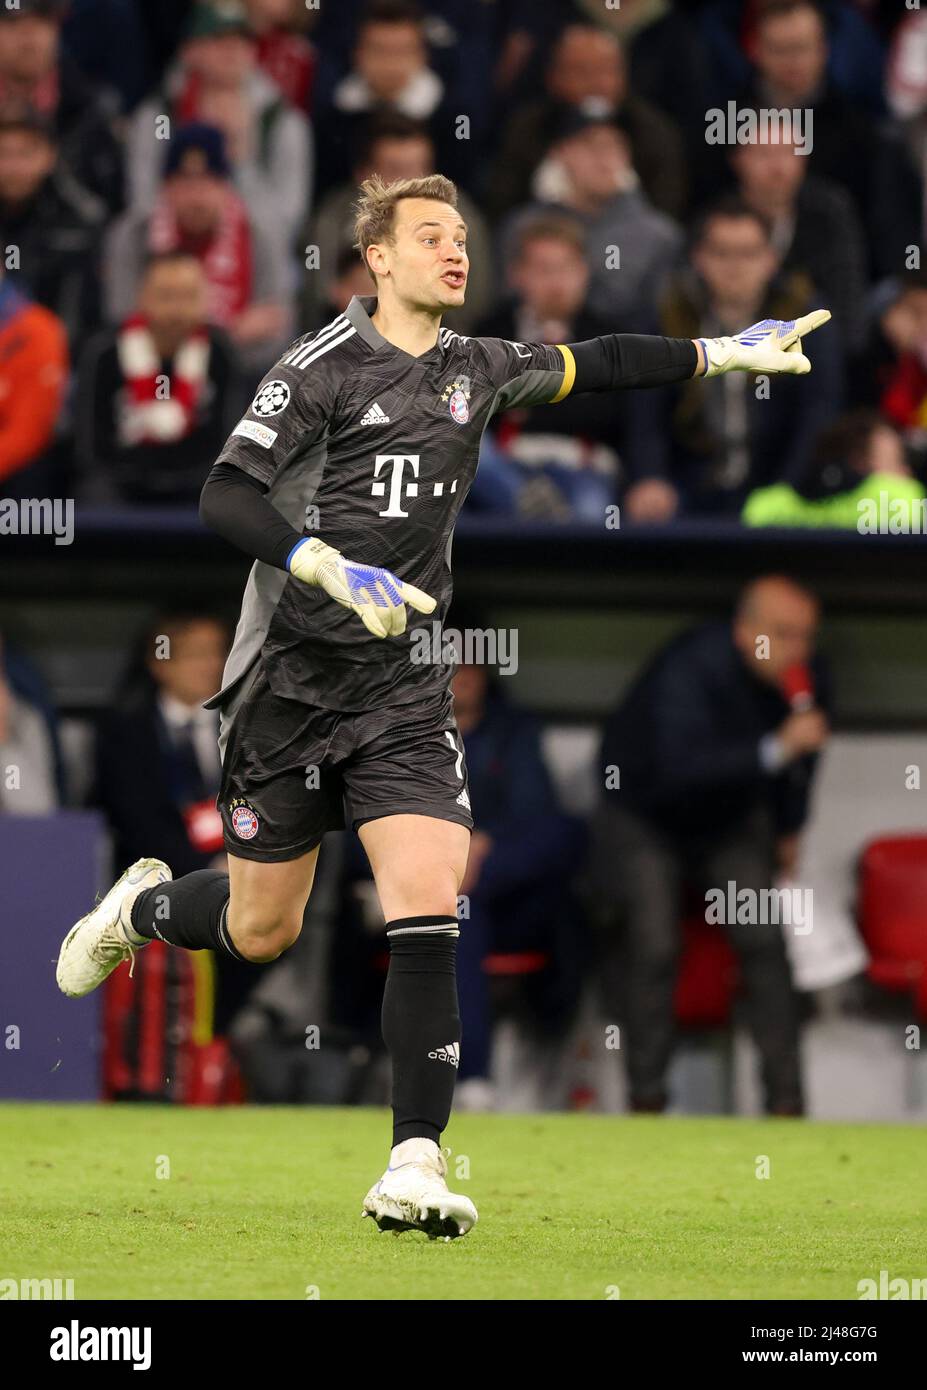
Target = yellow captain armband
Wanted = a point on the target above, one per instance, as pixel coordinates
(569, 373)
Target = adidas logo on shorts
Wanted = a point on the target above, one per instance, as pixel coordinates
(464, 800)
(451, 1054)
(375, 416)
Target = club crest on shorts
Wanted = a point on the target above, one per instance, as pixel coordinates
(273, 397)
(244, 820)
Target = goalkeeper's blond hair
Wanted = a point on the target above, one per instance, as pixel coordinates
(375, 210)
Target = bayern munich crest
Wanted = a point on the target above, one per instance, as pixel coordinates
(244, 821)
(273, 397)
(457, 396)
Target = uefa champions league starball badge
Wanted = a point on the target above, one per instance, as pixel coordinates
(273, 397)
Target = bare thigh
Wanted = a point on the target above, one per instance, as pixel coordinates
(267, 902)
(418, 864)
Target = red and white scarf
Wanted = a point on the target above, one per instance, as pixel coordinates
(225, 258)
(155, 411)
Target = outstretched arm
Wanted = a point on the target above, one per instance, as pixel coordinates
(637, 359)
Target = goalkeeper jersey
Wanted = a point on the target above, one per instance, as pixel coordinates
(374, 451)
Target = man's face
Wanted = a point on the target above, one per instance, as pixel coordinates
(551, 277)
(193, 671)
(388, 56)
(735, 259)
(596, 161)
(791, 53)
(225, 59)
(393, 158)
(26, 160)
(28, 47)
(196, 196)
(769, 170)
(173, 297)
(427, 257)
(586, 65)
(788, 618)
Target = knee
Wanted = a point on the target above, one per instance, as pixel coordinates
(263, 936)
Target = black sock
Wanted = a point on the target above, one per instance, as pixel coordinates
(188, 912)
(421, 1024)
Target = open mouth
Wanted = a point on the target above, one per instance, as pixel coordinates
(455, 278)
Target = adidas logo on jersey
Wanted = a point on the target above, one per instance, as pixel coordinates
(375, 416)
(451, 1054)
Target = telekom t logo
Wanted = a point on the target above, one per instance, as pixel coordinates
(397, 489)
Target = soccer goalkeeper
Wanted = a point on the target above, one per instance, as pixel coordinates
(373, 422)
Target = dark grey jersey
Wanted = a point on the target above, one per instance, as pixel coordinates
(374, 451)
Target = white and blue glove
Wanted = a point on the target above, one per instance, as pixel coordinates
(774, 345)
(377, 596)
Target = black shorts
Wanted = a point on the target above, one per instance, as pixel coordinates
(293, 771)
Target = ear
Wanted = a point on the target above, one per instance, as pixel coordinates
(377, 259)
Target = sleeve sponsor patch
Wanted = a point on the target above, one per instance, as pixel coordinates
(261, 434)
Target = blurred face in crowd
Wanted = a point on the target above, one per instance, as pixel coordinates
(586, 65)
(350, 282)
(222, 60)
(791, 53)
(551, 276)
(778, 610)
(197, 197)
(394, 158)
(770, 174)
(735, 260)
(884, 453)
(173, 299)
(28, 47)
(26, 160)
(426, 259)
(193, 670)
(388, 56)
(904, 323)
(597, 162)
(269, 14)
(469, 687)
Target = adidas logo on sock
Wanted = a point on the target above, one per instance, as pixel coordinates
(375, 416)
(451, 1054)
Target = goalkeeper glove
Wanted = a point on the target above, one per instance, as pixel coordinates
(376, 595)
(773, 345)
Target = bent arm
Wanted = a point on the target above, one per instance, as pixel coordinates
(236, 507)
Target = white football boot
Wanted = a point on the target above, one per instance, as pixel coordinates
(105, 937)
(412, 1194)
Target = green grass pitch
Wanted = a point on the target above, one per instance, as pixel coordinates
(265, 1203)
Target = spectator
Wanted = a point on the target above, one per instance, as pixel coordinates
(555, 463)
(813, 225)
(630, 245)
(35, 73)
(847, 144)
(284, 54)
(350, 279)
(157, 756)
(154, 397)
(29, 754)
(891, 372)
(395, 147)
(390, 74)
(54, 224)
(198, 210)
(587, 76)
(714, 781)
(859, 466)
(33, 377)
(216, 82)
(517, 882)
(713, 442)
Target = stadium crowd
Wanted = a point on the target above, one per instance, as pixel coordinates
(176, 186)
(176, 190)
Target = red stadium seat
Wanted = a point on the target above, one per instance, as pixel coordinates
(892, 909)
